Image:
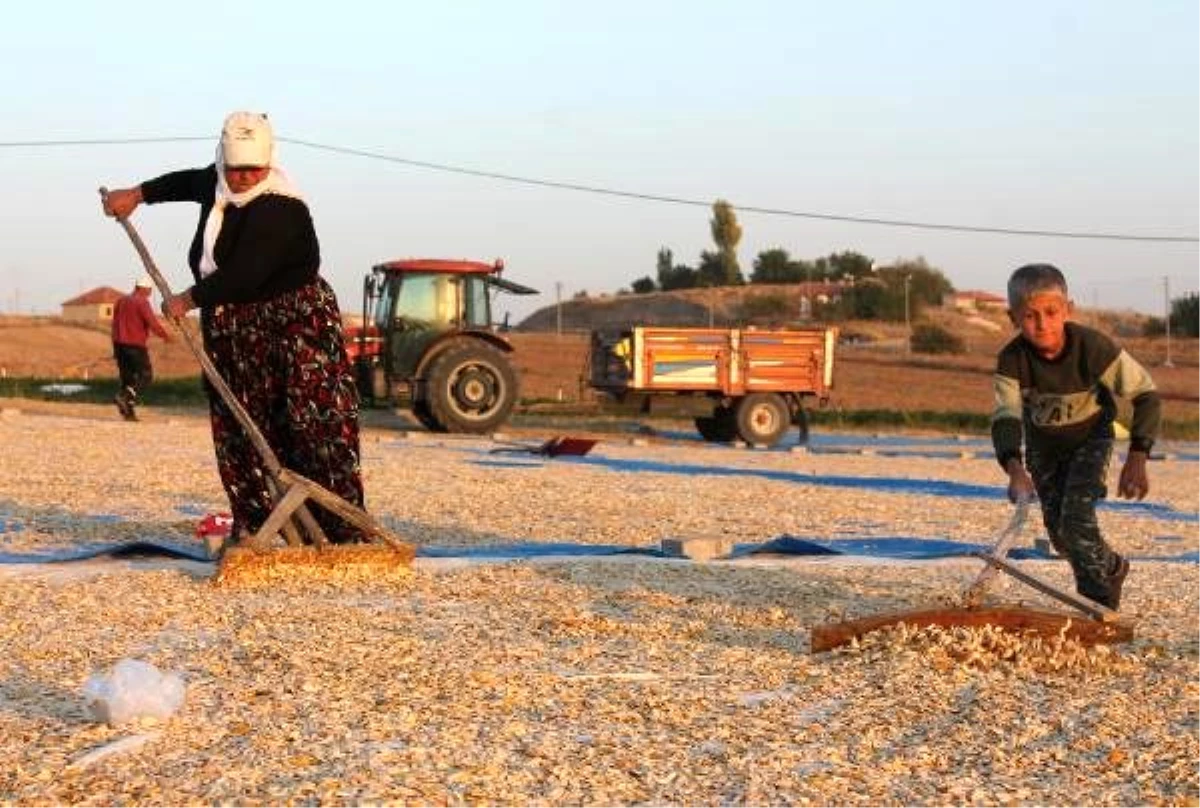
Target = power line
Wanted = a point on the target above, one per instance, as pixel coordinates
(648, 197)
(740, 208)
(121, 141)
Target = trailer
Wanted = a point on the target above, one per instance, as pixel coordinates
(759, 381)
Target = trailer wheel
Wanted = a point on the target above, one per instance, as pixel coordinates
(720, 427)
(763, 418)
(471, 388)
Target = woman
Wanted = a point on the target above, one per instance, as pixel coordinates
(271, 324)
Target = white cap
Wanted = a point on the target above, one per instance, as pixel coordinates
(145, 282)
(246, 140)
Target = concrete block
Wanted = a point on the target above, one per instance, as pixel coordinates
(638, 442)
(1043, 545)
(798, 450)
(700, 548)
(966, 455)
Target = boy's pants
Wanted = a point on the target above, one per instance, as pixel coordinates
(133, 363)
(1068, 485)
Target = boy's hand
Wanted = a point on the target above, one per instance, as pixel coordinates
(1134, 483)
(1020, 484)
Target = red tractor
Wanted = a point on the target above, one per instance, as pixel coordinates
(428, 340)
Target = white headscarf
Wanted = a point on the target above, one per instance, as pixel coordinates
(246, 139)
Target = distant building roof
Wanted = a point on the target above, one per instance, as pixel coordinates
(96, 297)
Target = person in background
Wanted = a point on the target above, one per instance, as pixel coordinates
(271, 324)
(1056, 386)
(132, 324)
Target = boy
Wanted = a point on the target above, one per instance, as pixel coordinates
(132, 324)
(1056, 384)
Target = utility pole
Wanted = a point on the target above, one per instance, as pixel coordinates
(1167, 317)
(907, 317)
(558, 306)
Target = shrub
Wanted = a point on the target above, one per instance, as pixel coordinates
(644, 285)
(768, 306)
(928, 338)
(849, 336)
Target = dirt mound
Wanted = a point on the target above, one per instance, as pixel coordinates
(50, 347)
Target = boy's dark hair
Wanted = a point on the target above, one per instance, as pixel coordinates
(1031, 279)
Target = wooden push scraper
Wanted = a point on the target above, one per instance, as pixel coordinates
(1102, 625)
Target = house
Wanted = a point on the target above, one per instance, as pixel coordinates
(92, 306)
(974, 300)
(822, 293)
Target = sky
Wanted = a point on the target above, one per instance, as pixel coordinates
(1073, 117)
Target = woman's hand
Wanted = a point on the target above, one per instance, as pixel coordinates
(121, 202)
(176, 306)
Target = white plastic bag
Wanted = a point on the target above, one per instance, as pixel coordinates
(134, 689)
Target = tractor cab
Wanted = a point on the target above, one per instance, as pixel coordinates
(417, 310)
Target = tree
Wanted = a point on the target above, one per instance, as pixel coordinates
(776, 266)
(726, 233)
(1185, 312)
(928, 285)
(643, 285)
(672, 276)
(711, 271)
(870, 299)
(849, 263)
(666, 262)
(679, 276)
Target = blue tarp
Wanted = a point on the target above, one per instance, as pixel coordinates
(893, 485)
(895, 547)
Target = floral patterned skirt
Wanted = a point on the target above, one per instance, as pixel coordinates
(285, 361)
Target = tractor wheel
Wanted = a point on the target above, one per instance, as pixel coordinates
(762, 418)
(420, 411)
(471, 387)
(720, 427)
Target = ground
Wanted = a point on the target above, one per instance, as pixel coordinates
(559, 680)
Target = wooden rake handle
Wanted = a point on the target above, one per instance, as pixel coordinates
(974, 594)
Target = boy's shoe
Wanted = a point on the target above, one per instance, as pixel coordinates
(124, 407)
(126, 401)
(1115, 582)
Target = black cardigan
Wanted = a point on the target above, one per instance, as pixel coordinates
(265, 248)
